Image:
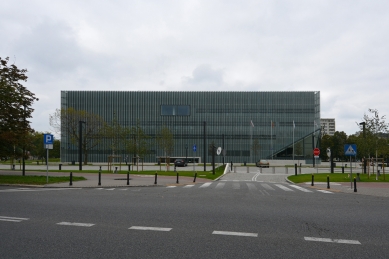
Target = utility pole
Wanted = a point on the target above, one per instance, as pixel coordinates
(80, 144)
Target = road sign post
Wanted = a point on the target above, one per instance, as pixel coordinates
(350, 150)
(316, 153)
(48, 141)
(194, 148)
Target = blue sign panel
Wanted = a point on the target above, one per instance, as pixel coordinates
(350, 150)
(48, 139)
(194, 148)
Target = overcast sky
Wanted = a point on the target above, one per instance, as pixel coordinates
(339, 48)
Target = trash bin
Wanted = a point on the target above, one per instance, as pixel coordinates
(60, 166)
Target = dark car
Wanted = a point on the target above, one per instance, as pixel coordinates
(263, 163)
(180, 162)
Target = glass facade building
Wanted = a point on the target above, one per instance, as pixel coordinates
(248, 126)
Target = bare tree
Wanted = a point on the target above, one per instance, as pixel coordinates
(66, 123)
(166, 143)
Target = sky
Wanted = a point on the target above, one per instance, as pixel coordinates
(339, 48)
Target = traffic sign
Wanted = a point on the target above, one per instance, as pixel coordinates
(350, 149)
(48, 139)
(219, 151)
(194, 148)
(316, 152)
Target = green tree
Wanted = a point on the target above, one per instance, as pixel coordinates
(255, 148)
(137, 143)
(66, 121)
(165, 141)
(117, 136)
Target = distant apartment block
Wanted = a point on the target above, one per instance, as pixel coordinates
(327, 126)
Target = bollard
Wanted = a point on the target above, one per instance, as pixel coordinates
(342, 169)
(155, 181)
(194, 180)
(129, 167)
(13, 167)
(274, 170)
(328, 182)
(355, 185)
(312, 180)
(128, 178)
(295, 169)
(71, 179)
(60, 166)
(99, 177)
(116, 170)
(177, 178)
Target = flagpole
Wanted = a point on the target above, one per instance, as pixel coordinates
(293, 142)
(251, 140)
(271, 138)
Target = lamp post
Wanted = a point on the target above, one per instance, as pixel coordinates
(80, 144)
(186, 153)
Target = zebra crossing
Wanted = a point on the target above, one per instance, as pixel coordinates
(263, 188)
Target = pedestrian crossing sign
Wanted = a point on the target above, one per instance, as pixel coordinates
(350, 150)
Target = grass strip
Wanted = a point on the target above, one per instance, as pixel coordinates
(36, 180)
(336, 177)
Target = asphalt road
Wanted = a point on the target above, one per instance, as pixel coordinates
(224, 219)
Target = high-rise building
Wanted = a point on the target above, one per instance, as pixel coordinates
(327, 126)
(247, 125)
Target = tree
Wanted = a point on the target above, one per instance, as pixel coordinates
(117, 136)
(255, 147)
(138, 144)
(166, 142)
(15, 109)
(66, 123)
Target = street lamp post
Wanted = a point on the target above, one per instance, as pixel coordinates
(186, 153)
(80, 144)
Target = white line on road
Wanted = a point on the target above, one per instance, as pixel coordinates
(220, 185)
(255, 177)
(38, 189)
(251, 186)
(324, 191)
(110, 189)
(266, 186)
(149, 228)
(329, 240)
(75, 224)
(228, 233)
(235, 186)
(283, 188)
(12, 219)
(171, 186)
(189, 186)
(299, 188)
(205, 185)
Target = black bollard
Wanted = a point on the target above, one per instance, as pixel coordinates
(194, 180)
(295, 169)
(71, 179)
(60, 166)
(128, 178)
(129, 167)
(342, 169)
(177, 178)
(155, 181)
(328, 182)
(312, 180)
(355, 185)
(99, 178)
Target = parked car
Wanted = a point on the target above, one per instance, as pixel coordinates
(180, 162)
(263, 163)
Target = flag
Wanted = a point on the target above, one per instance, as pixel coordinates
(252, 124)
(294, 126)
(272, 124)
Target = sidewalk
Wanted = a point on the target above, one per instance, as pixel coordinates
(113, 180)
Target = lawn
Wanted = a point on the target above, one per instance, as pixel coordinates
(336, 177)
(36, 180)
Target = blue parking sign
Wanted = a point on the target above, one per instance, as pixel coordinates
(48, 139)
(194, 148)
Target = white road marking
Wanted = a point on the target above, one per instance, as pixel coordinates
(110, 189)
(329, 240)
(299, 188)
(189, 186)
(283, 187)
(75, 224)
(235, 186)
(324, 191)
(205, 185)
(12, 219)
(254, 179)
(220, 185)
(123, 189)
(266, 186)
(99, 188)
(228, 233)
(251, 186)
(38, 189)
(150, 228)
(171, 186)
